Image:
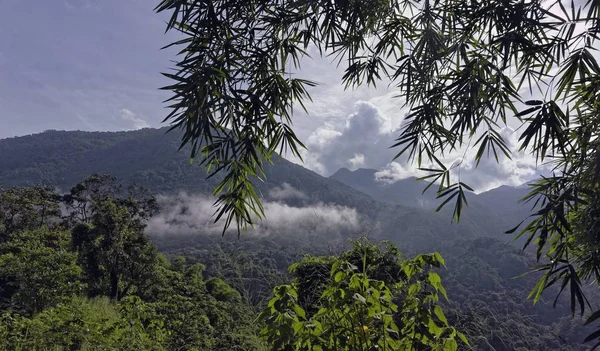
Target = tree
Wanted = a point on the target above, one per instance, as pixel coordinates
(79, 201)
(30, 253)
(464, 69)
(114, 251)
(108, 232)
(97, 187)
(365, 299)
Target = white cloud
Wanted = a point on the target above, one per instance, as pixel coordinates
(514, 171)
(286, 192)
(520, 168)
(362, 141)
(81, 4)
(394, 172)
(357, 161)
(331, 101)
(192, 214)
(136, 122)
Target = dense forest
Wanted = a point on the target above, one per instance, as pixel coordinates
(132, 260)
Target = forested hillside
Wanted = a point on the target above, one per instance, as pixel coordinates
(306, 215)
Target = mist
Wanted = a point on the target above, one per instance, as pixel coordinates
(190, 214)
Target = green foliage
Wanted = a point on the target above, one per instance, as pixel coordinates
(199, 314)
(252, 266)
(116, 252)
(221, 290)
(26, 208)
(489, 300)
(38, 270)
(82, 324)
(488, 303)
(369, 300)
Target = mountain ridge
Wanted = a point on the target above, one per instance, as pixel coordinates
(504, 200)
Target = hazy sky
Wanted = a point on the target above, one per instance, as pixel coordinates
(95, 65)
(80, 64)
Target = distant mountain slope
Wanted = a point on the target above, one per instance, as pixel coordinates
(407, 192)
(491, 213)
(505, 200)
(60, 158)
(148, 157)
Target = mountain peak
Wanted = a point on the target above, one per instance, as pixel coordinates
(341, 171)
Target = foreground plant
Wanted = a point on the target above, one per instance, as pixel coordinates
(365, 299)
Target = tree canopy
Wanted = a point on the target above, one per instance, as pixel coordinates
(464, 69)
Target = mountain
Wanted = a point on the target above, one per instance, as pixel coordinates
(406, 192)
(492, 212)
(60, 158)
(147, 157)
(151, 157)
(504, 200)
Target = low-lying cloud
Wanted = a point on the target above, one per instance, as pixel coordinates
(193, 214)
(286, 192)
(135, 122)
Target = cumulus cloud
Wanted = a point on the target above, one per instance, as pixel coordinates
(520, 168)
(363, 141)
(135, 121)
(517, 170)
(357, 161)
(192, 214)
(394, 172)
